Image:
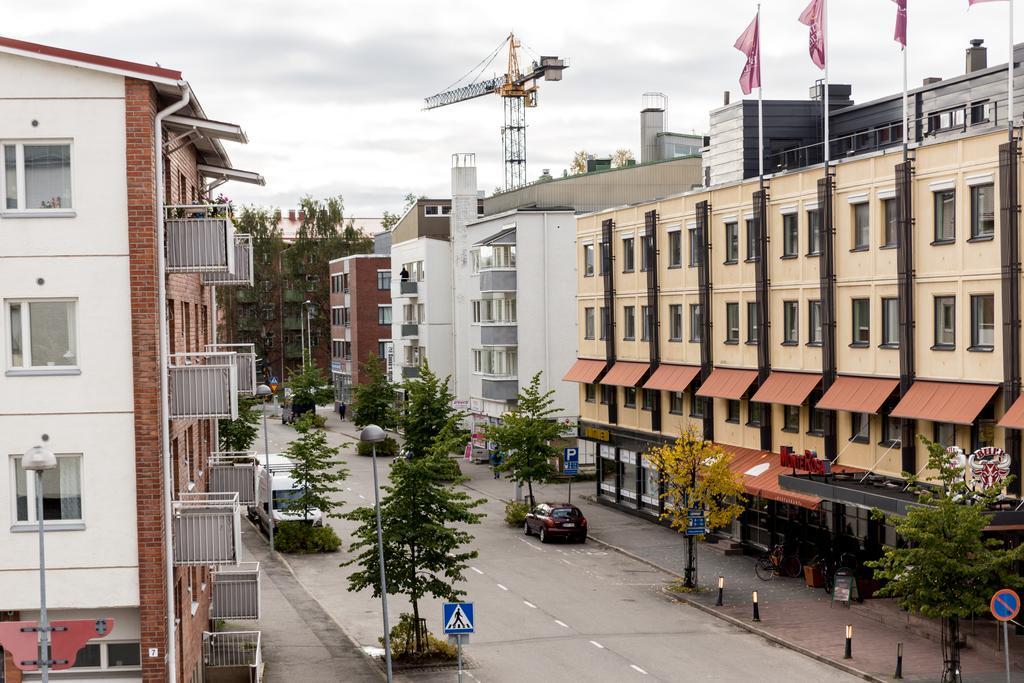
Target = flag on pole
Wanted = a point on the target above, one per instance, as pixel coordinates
(901, 22)
(978, 2)
(750, 44)
(814, 17)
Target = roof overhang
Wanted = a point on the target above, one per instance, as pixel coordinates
(120, 67)
(225, 174)
(207, 128)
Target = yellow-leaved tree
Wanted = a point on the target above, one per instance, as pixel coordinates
(695, 473)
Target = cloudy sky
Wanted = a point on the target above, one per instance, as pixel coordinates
(330, 93)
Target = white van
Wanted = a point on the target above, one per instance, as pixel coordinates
(279, 480)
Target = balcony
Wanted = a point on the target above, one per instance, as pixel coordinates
(207, 529)
(203, 385)
(232, 657)
(242, 273)
(234, 472)
(410, 371)
(500, 389)
(499, 335)
(408, 288)
(199, 239)
(245, 363)
(410, 329)
(236, 592)
(497, 280)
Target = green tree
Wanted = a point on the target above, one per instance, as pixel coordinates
(622, 157)
(428, 408)
(239, 434)
(316, 471)
(373, 401)
(310, 385)
(696, 473)
(423, 539)
(579, 162)
(525, 434)
(947, 568)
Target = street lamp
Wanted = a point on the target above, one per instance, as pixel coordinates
(38, 459)
(264, 392)
(372, 434)
(309, 326)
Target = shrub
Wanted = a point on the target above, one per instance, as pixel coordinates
(309, 421)
(515, 513)
(403, 642)
(388, 448)
(299, 537)
(450, 469)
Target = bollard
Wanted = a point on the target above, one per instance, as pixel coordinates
(848, 654)
(899, 661)
(721, 586)
(757, 614)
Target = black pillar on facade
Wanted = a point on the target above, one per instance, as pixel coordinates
(1009, 229)
(905, 290)
(607, 257)
(704, 301)
(764, 356)
(827, 273)
(652, 322)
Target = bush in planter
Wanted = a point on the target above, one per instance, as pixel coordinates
(515, 513)
(299, 537)
(388, 448)
(403, 642)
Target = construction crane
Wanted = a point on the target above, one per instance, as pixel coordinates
(518, 90)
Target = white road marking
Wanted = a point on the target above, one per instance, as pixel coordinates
(562, 623)
(502, 587)
(567, 562)
(597, 644)
(531, 545)
(348, 488)
(637, 668)
(362, 497)
(530, 604)
(477, 570)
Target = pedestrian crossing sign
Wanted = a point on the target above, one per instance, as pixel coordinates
(458, 617)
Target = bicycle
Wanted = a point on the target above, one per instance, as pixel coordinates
(776, 561)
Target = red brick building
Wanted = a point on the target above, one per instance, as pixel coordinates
(360, 318)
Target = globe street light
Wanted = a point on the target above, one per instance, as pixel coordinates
(373, 435)
(38, 459)
(264, 392)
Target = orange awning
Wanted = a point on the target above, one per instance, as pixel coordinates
(728, 383)
(625, 374)
(584, 370)
(759, 471)
(1014, 417)
(786, 388)
(858, 394)
(950, 402)
(672, 377)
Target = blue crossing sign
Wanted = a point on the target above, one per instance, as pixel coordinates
(458, 618)
(571, 461)
(1005, 604)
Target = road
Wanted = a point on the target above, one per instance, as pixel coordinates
(558, 612)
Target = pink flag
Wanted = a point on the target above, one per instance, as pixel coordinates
(814, 17)
(750, 44)
(977, 2)
(901, 22)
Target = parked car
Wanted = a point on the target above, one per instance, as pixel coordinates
(556, 520)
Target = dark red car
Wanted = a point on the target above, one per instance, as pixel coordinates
(556, 520)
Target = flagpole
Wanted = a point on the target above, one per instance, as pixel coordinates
(1009, 78)
(826, 86)
(760, 102)
(906, 107)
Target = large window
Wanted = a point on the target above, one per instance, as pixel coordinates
(383, 279)
(588, 322)
(629, 322)
(628, 255)
(813, 232)
(983, 212)
(790, 236)
(861, 322)
(983, 322)
(945, 216)
(790, 322)
(696, 323)
(814, 321)
(732, 323)
(43, 334)
(890, 323)
(861, 226)
(502, 310)
(37, 176)
(753, 242)
(588, 260)
(675, 249)
(504, 256)
(495, 362)
(945, 322)
(752, 322)
(675, 322)
(889, 227)
(62, 491)
(732, 242)
(103, 655)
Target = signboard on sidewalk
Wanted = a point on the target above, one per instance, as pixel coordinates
(844, 588)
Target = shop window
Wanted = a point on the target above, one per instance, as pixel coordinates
(790, 236)
(945, 434)
(732, 412)
(675, 402)
(945, 322)
(791, 419)
(813, 233)
(732, 243)
(945, 216)
(628, 397)
(696, 404)
(983, 431)
(754, 414)
(983, 322)
(609, 471)
(650, 399)
(675, 249)
(890, 431)
(983, 208)
(590, 391)
(889, 227)
(860, 427)
(628, 255)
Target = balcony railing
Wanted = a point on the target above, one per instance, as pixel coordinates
(232, 657)
(408, 287)
(499, 335)
(410, 329)
(497, 280)
(203, 385)
(234, 472)
(236, 592)
(410, 371)
(207, 529)
(499, 389)
(242, 273)
(199, 239)
(245, 363)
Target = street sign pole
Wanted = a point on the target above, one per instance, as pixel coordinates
(1006, 651)
(1005, 605)
(458, 648)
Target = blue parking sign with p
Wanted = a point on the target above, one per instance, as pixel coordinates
(571, 461)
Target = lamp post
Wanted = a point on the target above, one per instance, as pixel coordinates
(309, 327)
(373, 435)
(264, 392)
(39, 459)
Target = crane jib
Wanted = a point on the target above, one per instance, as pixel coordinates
(466, 92)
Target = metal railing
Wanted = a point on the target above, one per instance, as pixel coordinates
(245, 363)
(235, 649)
(203, 385)
(199, 239)
(234, 472)
(242, 273)
(236, 592)
(207, 529)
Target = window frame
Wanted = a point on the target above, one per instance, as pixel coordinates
(698, 409)
(790, 323)
(814, 332)
(383, 274)
(857, 422)
(937, 201)
(753, 241)
(588, 322)
(590, 393)
(732, 242)
(629, 254)
(730, 404)
(675, 249)
(694, 238)
(588, 260)
(790, 235)
(31, 523)
(648, 399)
(890, 332)
(939, 303)
(890, 228)
(648, 249)
(976, 299)
(787, 412)
(752, 322)
(629, 323)
(26, 367)
(976, 235)
(696, 324)
(675, 398)
(23, 211)
(732, 322)
(855, 340)
(629, 397)
(814, 232)
(861, 232)
(891, 430)
(675, 322)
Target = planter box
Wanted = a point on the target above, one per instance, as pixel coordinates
(813, 576)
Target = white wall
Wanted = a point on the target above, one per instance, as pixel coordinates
(434, 292)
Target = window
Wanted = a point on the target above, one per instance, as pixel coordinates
(861, 322)
(37, 176)
(383, 349)
(648, 323)
(813, 232)
(62, 491)
(650, 398)
(945, 322)
(817, 425)
(495, 362)
(860, 427)
(628, 256)
(696, 323)
(752, 322)
(675, 249)
(502, 256)
(753, 244)
(588, 323)
(945, 216)
(945, 434)
(606, 258)
(432, 210)
(754, 414)
(106, 655)
(675, 402)
(383, 315)
(983, 322)
(588, 260)
(696, 404)
(43, 334)
(732, 323)
(890, 323)
(983, 212)
(694, 247)
(383, 279)
(983, 431)
(604, 322)
(628, 397)
(890, 430)
(732, 411)
(629, 322)
(607, 394)
(675, 322)
(732, 242)
(336, 351)
(791, 419)
(646, 252)
(814, 322)
(791, 322)
(335, 284)
(590, 393)
(861, 226)
(890, 226)
(790, 236)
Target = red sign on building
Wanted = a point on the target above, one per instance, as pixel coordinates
(67, 637)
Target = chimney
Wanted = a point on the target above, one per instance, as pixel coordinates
(652, 122)
(931, 80)
(291, 214)
(725, 98)
(977, 56)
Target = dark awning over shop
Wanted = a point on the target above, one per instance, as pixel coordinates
(670, 377)
(787, 388)
(625, 374)
(858, 394)
(949, 402)
(584, 370)
(730, 383)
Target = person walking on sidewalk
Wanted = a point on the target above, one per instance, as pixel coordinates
(342, 409)
(496, 463)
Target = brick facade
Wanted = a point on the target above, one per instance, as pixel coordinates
(365, 298)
